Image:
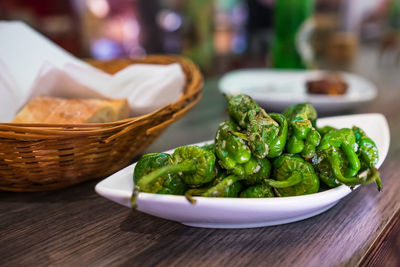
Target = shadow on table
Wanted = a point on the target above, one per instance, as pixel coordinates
(74, 193)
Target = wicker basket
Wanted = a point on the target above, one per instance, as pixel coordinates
(40, 157)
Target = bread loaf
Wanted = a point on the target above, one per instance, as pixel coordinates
(45, 109)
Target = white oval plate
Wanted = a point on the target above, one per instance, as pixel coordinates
(244, 212)
(278, 89)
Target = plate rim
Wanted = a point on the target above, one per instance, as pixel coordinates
(315, 99)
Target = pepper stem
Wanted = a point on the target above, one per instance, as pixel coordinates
(217, 190)
(134, 199)
(228, 97)
(371, 176)
(145, 183)
(241, 135)
(194, 192)
(377, 178)
(294, 179)
(334, 160)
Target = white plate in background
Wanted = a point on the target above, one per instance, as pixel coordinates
(277, 89)
(244, 212)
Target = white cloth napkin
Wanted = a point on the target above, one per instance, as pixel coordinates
(31, 65)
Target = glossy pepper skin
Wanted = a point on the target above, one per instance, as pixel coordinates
(303, 138)
(293, 176)
(344, 140)
(258, 191)
(323, 168)
(367, 150)
(167, 184)
(193, 164)
(324, 130)
(230, 149)
(368, 154)
(258, 171)
(339, 147)
(329, 169)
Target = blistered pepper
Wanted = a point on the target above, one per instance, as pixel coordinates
(293, 176)
(332, 162)
(238, 107)
(228, 186)
(368, 154)
(235, 156)
(231, 150)
(209, 147)
(367, 150)
(265, 134)
(257, 172)
(330, 170)
(167, 184)
(193, 164)
(303, 138)
(323, 167)
(341, 140)
(258, 191)
(324, 130)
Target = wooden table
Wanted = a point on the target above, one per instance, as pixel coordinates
(76, 227)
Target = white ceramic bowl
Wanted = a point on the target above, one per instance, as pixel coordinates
(244, 212)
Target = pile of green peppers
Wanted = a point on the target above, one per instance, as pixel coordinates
(256, 154)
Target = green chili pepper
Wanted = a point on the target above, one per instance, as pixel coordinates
(324, 130)
(167, 184)
(367, 153)
(303, 138)
(330, 155)
(371, 175)
(266, 133)
(230, 149)
(209, 147)
(323, 166)
(238, 107)
(229, 186)
(347, 157)
(293, 176)
(236, 157)
(342, 139)
(258, 191)
(257, 172)
(261, 130)
(252, 172)
(367, 150)
(193, 164)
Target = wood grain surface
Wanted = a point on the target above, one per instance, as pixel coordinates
(76, 227)
(386, 250)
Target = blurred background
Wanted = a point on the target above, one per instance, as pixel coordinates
(220, 35)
